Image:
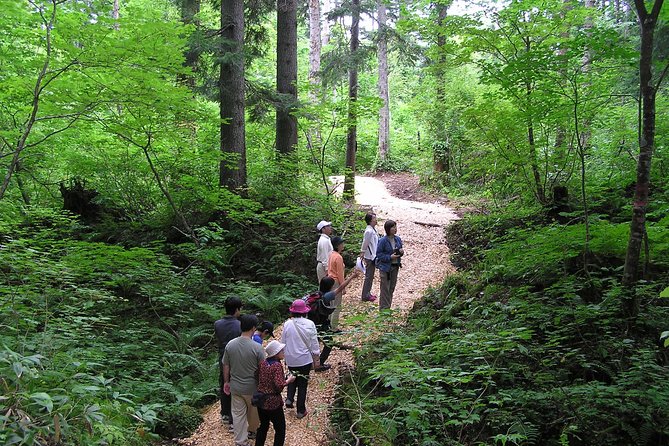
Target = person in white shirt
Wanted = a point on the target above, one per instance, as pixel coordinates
(370, 240)
(302, 352)
(323, 249)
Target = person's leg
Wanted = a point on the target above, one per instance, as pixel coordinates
(393, 282)
(225, 399)
(240, 425)
(321, 271)
(385, 299)
(279, 423)
(302, 382)
(261, 434)
(226, 404)
(292, 388)
(251, 414)
(325, 351)
(369, 279)
(334, 317)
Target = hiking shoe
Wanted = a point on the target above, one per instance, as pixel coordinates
(323, 367)
(252, 435)
(370, 298)
(225, 419)
(289, 404)
(301, 415)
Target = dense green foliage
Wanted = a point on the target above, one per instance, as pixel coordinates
(522, 347)
(118, 247)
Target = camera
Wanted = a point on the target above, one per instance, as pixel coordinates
(397, 252)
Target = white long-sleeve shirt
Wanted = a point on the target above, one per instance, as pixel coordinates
(300, 336)
(370, 241)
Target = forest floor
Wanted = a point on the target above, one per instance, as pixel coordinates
(420, 219)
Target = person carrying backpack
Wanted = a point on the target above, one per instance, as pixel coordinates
(321, 304)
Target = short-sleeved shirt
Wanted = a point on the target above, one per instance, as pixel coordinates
(243, 355)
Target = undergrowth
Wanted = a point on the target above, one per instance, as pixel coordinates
(527, 345)
(112, 343)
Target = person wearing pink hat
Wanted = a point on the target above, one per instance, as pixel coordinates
(302, 354)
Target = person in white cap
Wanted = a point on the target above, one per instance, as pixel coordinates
(271, 382)
(323, 249)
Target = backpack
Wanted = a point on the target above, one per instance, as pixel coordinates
(318, 311)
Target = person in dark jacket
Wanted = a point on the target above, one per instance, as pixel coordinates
(389, 254)
(227, 329)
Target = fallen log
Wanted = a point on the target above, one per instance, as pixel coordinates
(434, 225)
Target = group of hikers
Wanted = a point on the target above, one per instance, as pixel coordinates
(252, 378)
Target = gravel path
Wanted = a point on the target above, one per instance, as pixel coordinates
(425, 263)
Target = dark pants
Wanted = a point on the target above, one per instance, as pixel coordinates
(325, 336)
(325, 352)
(300, 385)
(388, 282)
(226, 400)
(278, 420)
(370, 269)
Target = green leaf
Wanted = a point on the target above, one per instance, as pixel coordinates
(18, 369)
(43, 399)
(665, 293)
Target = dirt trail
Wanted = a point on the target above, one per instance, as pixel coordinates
(425, 263)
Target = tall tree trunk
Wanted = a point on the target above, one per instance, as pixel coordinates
(647, 22)
(560, 146)
(315, 46)
(382, 55)
(189, 11)
(116, 14)
(48, 23)
(441, 148)
(540, 192)
(286, 75)
(352, 140)
(327, 7)
(534, 164)
(231, 87)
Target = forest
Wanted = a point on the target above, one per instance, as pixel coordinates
(159, 156)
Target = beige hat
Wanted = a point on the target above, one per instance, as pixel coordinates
(273, 348)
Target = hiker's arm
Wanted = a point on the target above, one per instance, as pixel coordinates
(226, 379)
(351, 276)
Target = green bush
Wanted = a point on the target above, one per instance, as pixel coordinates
(178, 421)
(524, 347)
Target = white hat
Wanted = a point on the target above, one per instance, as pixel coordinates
(273, 348)
(323, 224)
